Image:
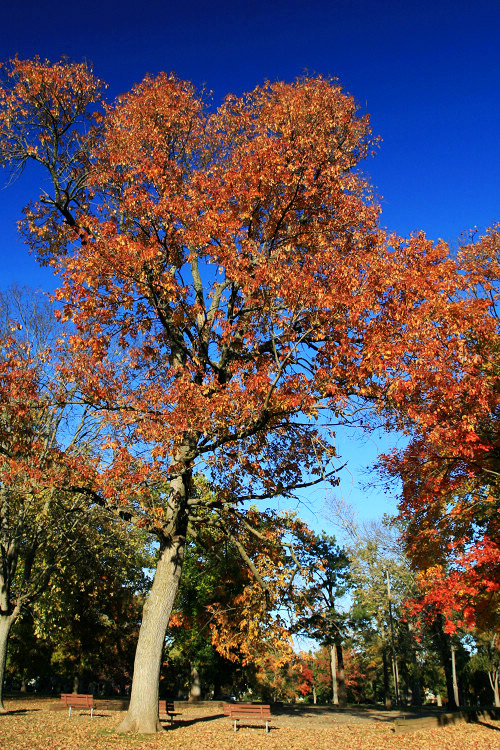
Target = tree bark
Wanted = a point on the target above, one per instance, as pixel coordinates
(493, 677)
(387, 697)
(142, 715)
(442, 642)
(333, 669)
(454, 677)
(195, 687)
(6, 622)
(342, 696)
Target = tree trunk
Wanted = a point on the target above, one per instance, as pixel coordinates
(6, 622)
(142, 715)
(442, 643)
(333, 669)
(454, 677)
(493, 677)
(341, 675)
(315, 695)
(195, 688)
(387, 697)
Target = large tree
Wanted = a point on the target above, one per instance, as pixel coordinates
(231, 292)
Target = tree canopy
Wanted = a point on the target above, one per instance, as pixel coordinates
(231, 294)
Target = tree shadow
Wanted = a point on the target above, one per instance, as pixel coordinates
(338, 714)
(178, 723)
(15, 711)
(260, 727)
(489, 726)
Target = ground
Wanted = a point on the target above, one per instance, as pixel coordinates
(38, 724)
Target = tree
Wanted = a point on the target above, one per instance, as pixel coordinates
(326, 574)
(282, 676)
(91, 612)
(449, 470)
(318, 673)
(487, 659)
(229, 286)
(45, 441)
(239, 612)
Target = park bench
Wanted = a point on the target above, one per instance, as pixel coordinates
(78, 700)
(167, 707)
(248, 712)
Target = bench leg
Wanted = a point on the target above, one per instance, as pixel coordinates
(267, 726)
(69, 714)
(235, 724)
(91, 713)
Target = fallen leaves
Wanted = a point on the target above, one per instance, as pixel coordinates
(35, 724)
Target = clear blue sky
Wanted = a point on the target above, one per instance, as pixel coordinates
(428, 73)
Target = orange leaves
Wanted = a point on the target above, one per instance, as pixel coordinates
(451, 398)
(229, 284)
(41, 103)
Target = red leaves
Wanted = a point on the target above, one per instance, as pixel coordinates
(449, 469)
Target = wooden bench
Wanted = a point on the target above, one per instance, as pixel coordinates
(248, 711)
(78, 700)
(167, 707)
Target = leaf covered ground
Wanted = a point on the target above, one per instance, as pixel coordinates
(37, 725)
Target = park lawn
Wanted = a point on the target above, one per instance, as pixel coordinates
(34, 725)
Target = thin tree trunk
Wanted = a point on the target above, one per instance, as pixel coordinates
(341, 674)
(315, 695)
(442, 641)
(142, 715)
(395, 672)
(195, 687)
(387, 697)
(454, 677)
(493, 678)
(333, 668)
(6, 622)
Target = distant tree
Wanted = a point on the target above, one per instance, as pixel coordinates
(487, 659)
(91, 612)
(326, 574)
(282, 676)
(320, 681)
(47, 438)
(237, 610)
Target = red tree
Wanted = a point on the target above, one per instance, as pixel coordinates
(228, 284)
(450, 468)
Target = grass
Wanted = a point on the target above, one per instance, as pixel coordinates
(35, 724)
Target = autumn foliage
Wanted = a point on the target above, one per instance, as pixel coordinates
(450, 468)
(232, 298)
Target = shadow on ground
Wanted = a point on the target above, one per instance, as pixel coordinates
(178, 723)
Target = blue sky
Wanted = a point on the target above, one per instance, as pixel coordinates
(428, 73)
